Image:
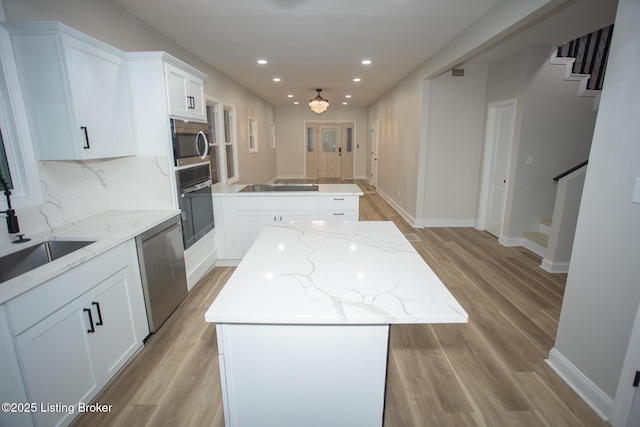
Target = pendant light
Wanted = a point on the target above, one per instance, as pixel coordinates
(318, 104)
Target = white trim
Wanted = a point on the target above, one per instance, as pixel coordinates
(410, 219)
(625, 392)
(554, 267)
(290, 177)
(569, 75)
(581, 384)
(447, 223)
(534, 247)
(510, 241)
(227, 262)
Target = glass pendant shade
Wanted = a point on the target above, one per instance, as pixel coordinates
(318, 104)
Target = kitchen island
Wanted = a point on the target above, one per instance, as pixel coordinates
(303, 323)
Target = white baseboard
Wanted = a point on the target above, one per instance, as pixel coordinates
(200, 269)
(409, 218)
(447, 223)
(534, 247)
(510, 241)
(581, 384)
(554, 267)
(291, 177)
(227, 262)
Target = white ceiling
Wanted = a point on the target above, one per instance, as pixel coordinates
(316, 43)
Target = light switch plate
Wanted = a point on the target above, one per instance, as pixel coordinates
(636, 192)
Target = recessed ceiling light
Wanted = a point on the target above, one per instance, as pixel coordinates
(344, 103)
(289, 96)
(347, 96)
(366, 62)
(357, 79)
(276, 79)
(262, 61)
(296, 103)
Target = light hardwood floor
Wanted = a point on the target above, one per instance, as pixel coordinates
(488, 372)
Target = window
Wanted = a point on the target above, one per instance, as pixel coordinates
(222, 142)
(17, 160)
(230, 143)
(253, 135)
(273, 136)
(214, 147)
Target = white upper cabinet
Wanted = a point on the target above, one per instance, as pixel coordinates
(185, 93)
(76, 92)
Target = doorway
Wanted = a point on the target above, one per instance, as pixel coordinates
(329, 149)
(498, 142)
(374, 154)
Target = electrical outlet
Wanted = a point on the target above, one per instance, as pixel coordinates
(530, 159)
(636, 192)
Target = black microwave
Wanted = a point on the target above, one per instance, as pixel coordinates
(190, 142)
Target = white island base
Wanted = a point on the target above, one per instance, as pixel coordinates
(303, 375)
(303, 322)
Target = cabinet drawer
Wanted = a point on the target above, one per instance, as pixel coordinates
(29, 308)
(338, 202)
(338, 215)
(278, 203)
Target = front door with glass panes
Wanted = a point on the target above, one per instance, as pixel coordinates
(329, 150)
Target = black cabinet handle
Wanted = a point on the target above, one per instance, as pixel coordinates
(339, 199)
(192, 102)
(338, 214)
(88, 311)
(97, 305)
(86, 137)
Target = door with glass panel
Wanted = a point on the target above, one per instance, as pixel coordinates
(330, 155)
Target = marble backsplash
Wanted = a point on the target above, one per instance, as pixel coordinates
(76, 189)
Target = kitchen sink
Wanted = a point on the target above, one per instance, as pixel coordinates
(259, 188)
(27, 259)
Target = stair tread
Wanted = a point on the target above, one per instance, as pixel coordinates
(546, 222)
(537, 237)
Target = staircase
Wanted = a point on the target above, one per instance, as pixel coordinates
(537, 241)
(554, 239)
(585, 59)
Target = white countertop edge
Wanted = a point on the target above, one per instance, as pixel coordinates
(110, 229)
(298, 320)
(224, 190)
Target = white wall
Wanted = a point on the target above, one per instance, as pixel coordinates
(602, 292)
(290, 136)
(555, 130)
(456, 119)
(402, 112)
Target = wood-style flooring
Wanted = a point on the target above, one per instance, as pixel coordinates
(488, 372)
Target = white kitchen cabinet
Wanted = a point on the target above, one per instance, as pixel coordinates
(76, 92)
(185, 93)
(338, 208)
(76, 331)
(255, 212)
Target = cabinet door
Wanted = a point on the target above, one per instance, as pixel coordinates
(297, 215)
(196, 92)
(177, 89)
(115, 340)
(56, 362)
(251, 223)
(99, 86)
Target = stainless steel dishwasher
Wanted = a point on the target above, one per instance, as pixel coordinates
(164, 277)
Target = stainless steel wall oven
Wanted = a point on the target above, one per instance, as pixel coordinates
(195, 201)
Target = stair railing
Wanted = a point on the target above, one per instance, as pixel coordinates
(591, 53)
(568, 171)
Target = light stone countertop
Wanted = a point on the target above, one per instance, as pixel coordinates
(108, 229)
(323, 190)
(334, 273)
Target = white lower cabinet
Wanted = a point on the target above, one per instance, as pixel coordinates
(251, 223)
(339, 208)
(75, 332)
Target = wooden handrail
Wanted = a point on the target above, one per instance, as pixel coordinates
(575, 168)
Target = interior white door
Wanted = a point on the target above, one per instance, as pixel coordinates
(501, 123)
(374, 154)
